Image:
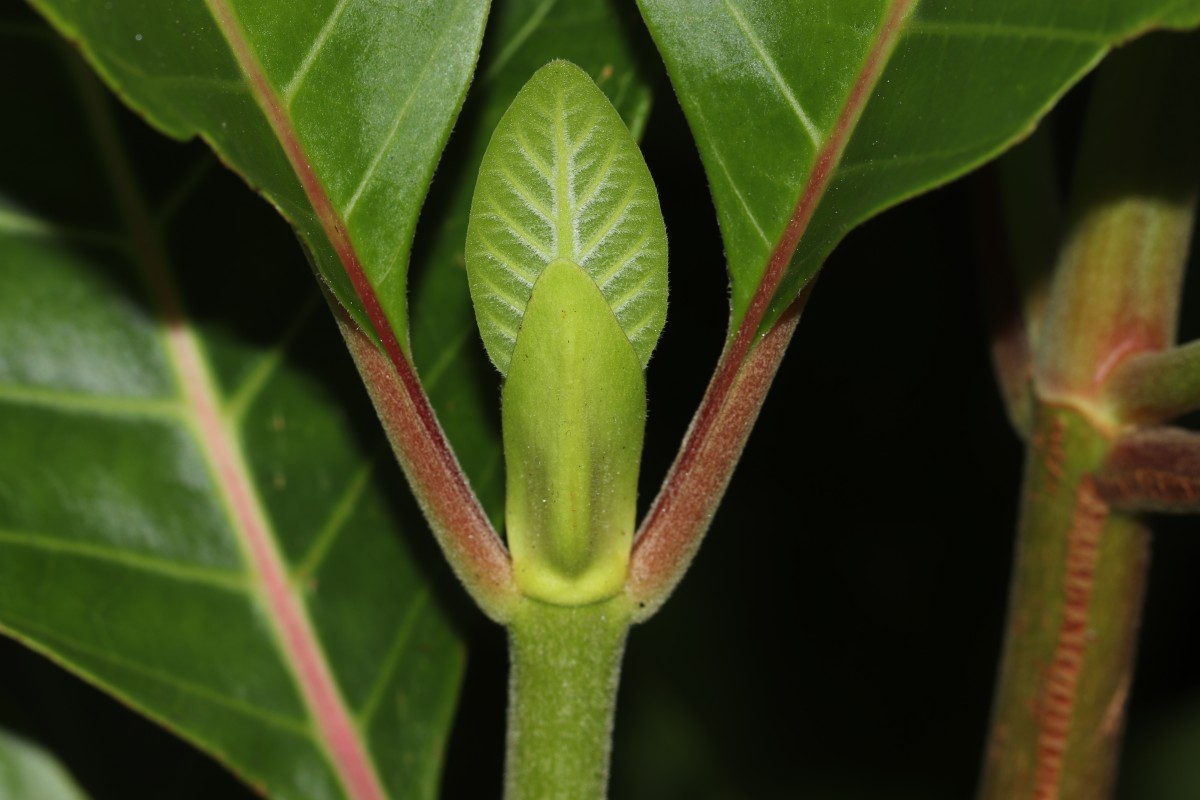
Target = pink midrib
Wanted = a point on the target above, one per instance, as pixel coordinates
(334, 724)
(447, 495)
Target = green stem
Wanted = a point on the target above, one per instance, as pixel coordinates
(566, 662)
(1156, 386)
(1080, 568)
(1072, 631)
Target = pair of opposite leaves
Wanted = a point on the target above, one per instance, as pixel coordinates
(567, 263)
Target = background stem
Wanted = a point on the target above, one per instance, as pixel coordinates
(1072, 628)
(1078, 581)
(566, 662)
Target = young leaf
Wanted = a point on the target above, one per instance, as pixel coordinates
(189, 516)
(563, 178)
(522, 36)
(811, 121)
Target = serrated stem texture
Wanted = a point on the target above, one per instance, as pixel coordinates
(1076, 596)
(1074, 611)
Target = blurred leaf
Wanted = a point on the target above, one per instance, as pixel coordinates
(190, 515)
(27, 772)
(774, 92)
(361, 93)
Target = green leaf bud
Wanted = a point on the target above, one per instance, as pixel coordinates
(566, 260)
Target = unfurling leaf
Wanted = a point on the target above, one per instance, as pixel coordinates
(567, 262)
(563, 178)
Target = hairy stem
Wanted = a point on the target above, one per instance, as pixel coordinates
(673, 529)
(566, 662)
(1072, 628)
(1080, 568)
(472, 547)
(1156, 386)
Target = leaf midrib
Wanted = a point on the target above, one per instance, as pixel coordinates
(656, 525)
(471, 544)
(824, 167)
(564, 238)
(331, 721)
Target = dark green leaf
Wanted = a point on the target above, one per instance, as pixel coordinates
(190, 514)
(359, 95)
(812, 118)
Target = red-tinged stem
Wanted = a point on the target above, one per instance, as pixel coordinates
(463, 528)
(672, 531)
(1080, 570)
(1118, 283)
(1157, 469)
(1072, 629)
(1155, 386)
(474, 551)
(333, 724)
(680, 515)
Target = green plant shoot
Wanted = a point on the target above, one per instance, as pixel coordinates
(574, 408)
(566, 259)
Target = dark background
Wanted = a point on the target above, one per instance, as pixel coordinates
(837, 635)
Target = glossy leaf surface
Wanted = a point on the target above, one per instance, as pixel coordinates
(522, 36)
(563, 179)
(28, 771)
(812, 117)
(360, 94)
(191, 515)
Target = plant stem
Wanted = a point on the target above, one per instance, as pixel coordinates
(566, 662)
(1156, 386)
(467, 538)
(671, 532)
(1080, 570)
(1156, 469)
(1073, 618)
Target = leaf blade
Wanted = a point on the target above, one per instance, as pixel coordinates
(270, 90)
(110, 489)
(27, 770)
(562, 178)
(982, 84)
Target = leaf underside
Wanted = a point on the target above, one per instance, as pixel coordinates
(522, 36)
(770, 88)
(157, 460)
(563, 178)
